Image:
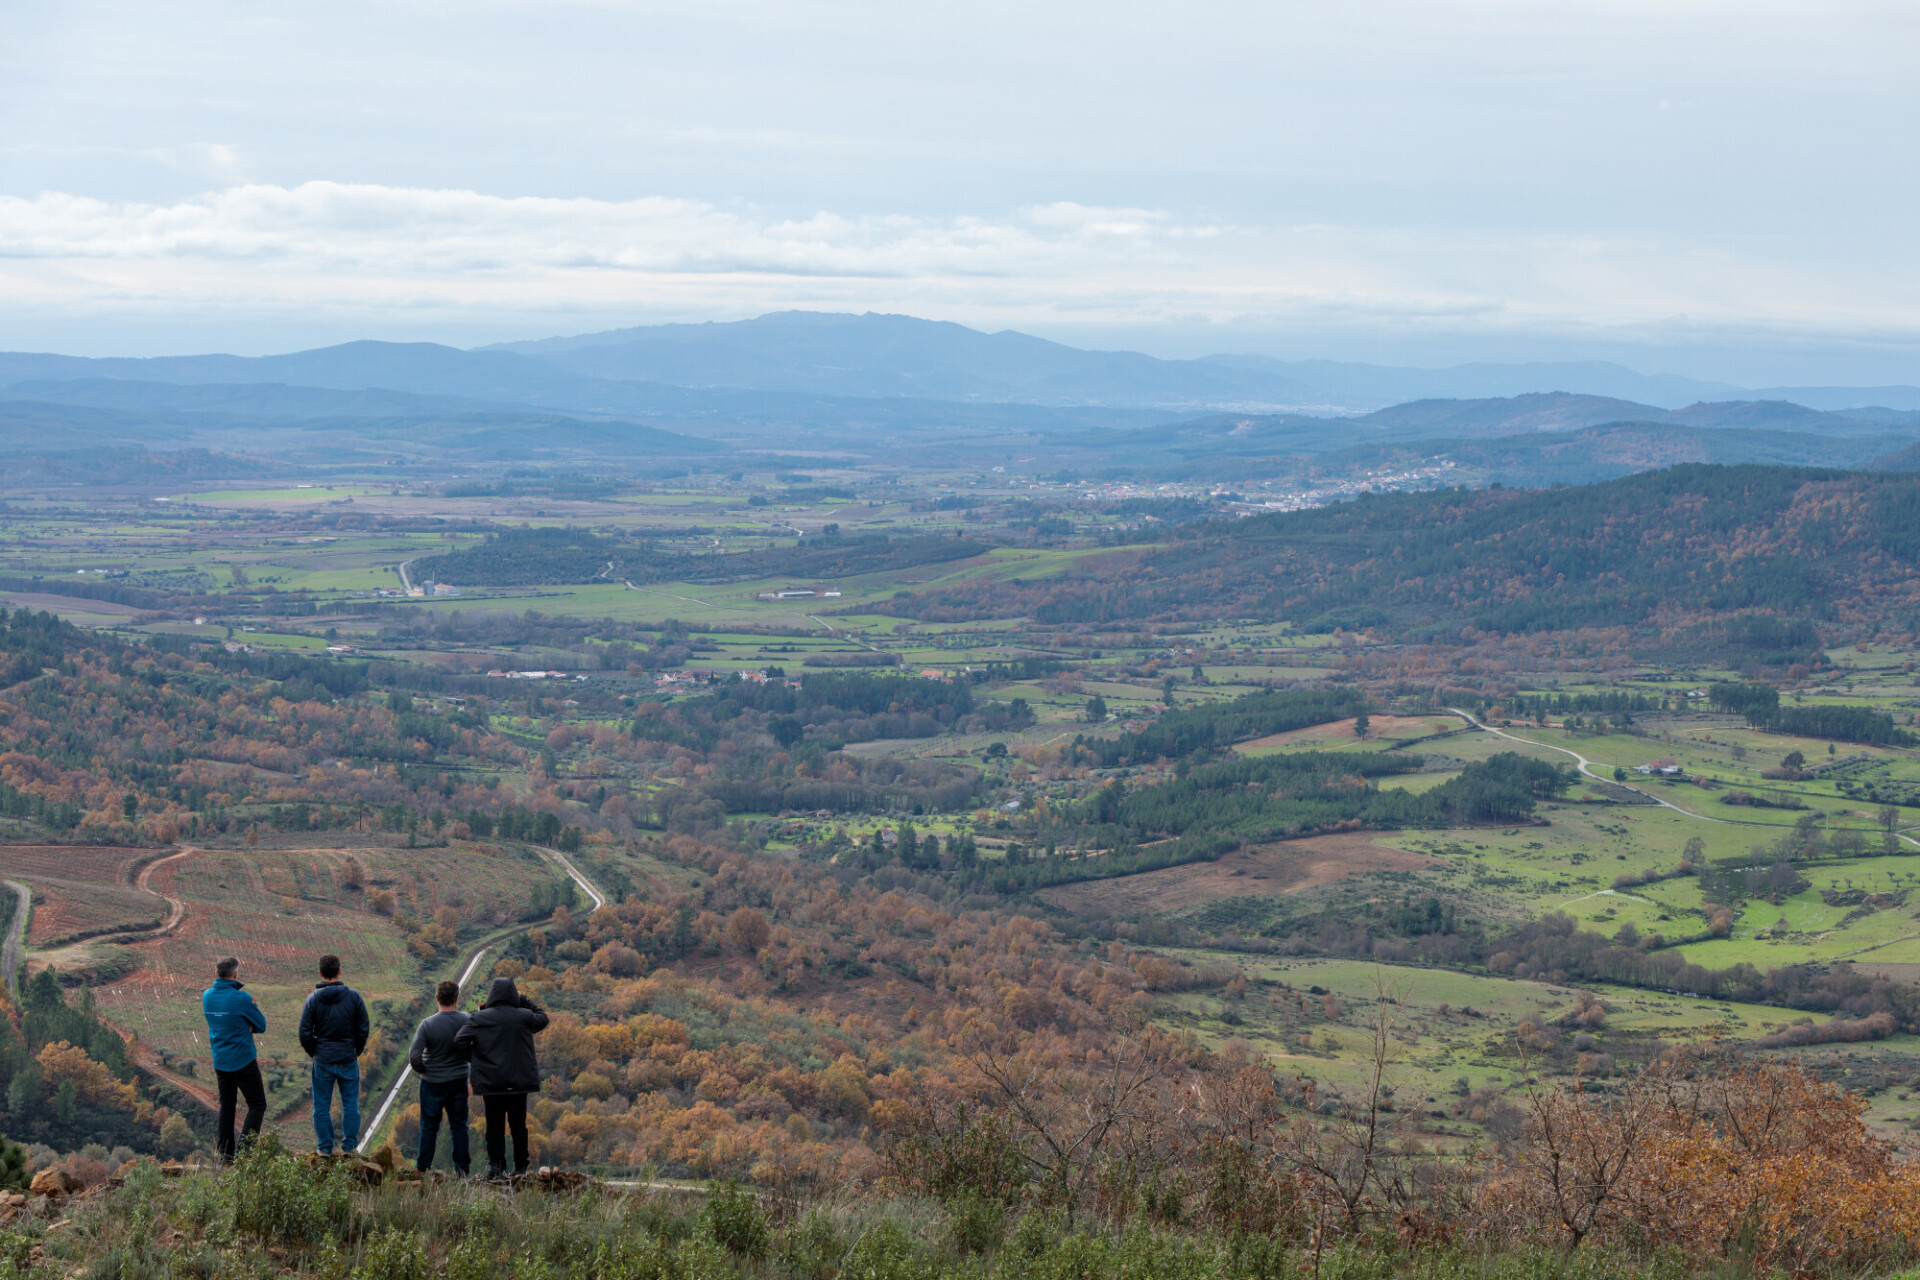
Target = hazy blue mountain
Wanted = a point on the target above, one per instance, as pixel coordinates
(1901, 398)
(1556, 412)
(879, 356)
(1549, 411)
(456, 380)
(1372, 386)
(423, 368)
(1771, 415)
(260, 399)
(1907, 459)
(888, 355)
(1596, 453)
(31, 426)
(862, 374)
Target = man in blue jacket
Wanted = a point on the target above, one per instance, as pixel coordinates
(333, 1030)
(233, 1020)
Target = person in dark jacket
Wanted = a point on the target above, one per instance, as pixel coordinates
(442, 1067)
(503, 1069)
(333, 1030)
(233, 1020)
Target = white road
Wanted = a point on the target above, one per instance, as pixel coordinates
(1586, 767)
(466, 975)
(13, 947)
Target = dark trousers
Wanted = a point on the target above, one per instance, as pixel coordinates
(504, 1109)
(233, 1083)
(448, 1097)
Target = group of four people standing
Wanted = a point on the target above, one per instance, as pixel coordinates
(489, 1053)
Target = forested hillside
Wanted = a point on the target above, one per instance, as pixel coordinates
(1677, 545)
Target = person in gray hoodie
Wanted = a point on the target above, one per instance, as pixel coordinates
(442, 1066)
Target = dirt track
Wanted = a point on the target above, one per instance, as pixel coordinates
(150, 1062)
(1287, 867)
(176, 909)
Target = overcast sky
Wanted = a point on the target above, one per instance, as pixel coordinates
(1723, 189)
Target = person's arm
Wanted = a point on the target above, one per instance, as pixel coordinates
(362, 1025)
(536, 1018)
(466, 1036)
(417, 1051)
(307, 1039)
(256, 1017)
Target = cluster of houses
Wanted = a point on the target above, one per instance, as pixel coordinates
(416, 593)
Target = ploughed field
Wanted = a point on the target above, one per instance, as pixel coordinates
(81, 892)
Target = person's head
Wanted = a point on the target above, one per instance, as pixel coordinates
(229, 967)
(448, 994)
(503, 992)
(329, 967)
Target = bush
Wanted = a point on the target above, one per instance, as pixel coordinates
(16, 1254)
(393, 1254)
(281, 1200)
(885, 1251)
(975, 1224)
(737, 1221)
(176, 1138)
(13, 1167)
(811, 1249)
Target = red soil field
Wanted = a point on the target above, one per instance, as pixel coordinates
(81, 889)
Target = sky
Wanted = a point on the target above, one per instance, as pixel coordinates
(1718, 189)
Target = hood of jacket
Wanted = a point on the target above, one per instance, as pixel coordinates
(330, 992)
(503, 992)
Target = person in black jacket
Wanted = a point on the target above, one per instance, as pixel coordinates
(442, 1067)
(333, 1030)
(503, 1069)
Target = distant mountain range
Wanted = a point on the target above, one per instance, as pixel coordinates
(882, 386)
(886, 357)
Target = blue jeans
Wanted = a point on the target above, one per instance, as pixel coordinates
(449, 1096)
(325, 1076)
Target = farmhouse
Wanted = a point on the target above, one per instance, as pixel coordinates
(1664, 768)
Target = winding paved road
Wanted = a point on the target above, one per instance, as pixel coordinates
(15, 944)
(394, 1090)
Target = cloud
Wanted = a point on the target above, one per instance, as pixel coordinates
(369, 254)
(420, 233)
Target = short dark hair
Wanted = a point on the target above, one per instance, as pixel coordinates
(329, 966)
(226, 967)
(448, 992)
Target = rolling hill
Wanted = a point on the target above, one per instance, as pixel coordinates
(1670, 548)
